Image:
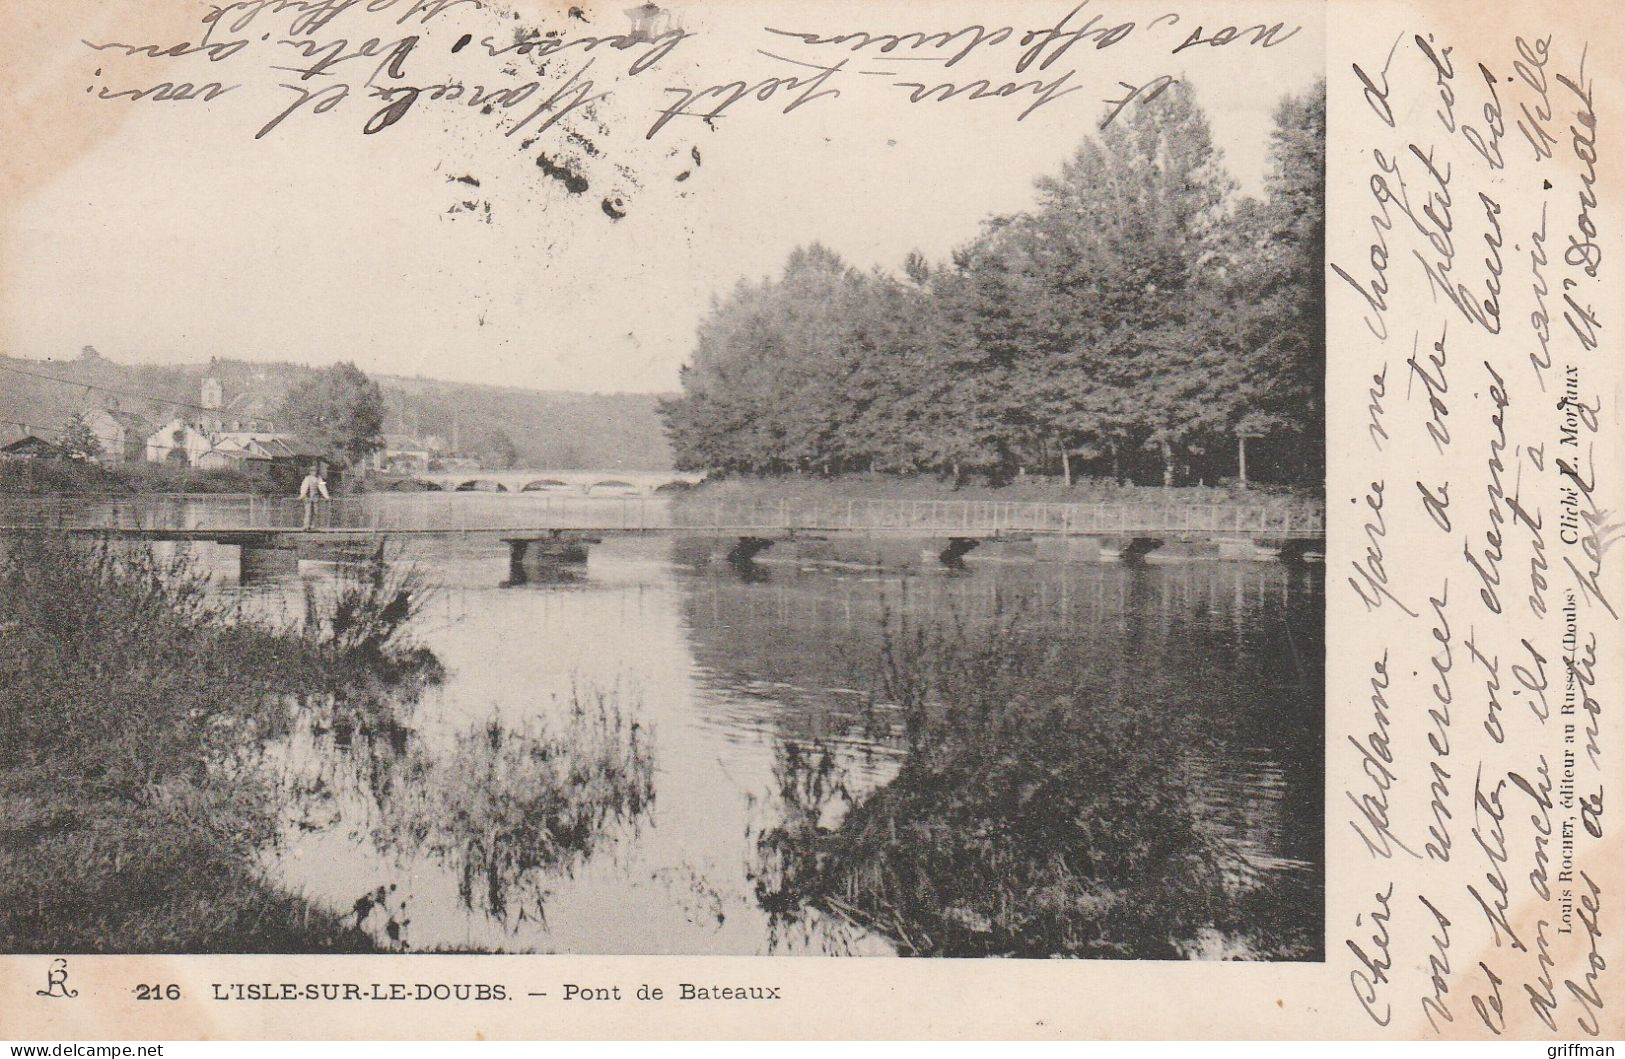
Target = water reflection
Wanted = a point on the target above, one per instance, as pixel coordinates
(503, 808)
(1098, 761)
(520, 574)
(1026, 818)
(1112, 761)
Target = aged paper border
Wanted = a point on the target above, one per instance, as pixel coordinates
(938, 998)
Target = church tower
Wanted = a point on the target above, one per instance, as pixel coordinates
(213, 400)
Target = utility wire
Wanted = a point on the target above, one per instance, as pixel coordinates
(43, 422)
(60, 409)
(108, 389)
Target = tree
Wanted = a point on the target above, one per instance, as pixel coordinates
(1001, 346)
(1138, 314)
(77, 441)
(771, 385)
(1125, 239)
(822, 369)
(1084, 328)
(1274, 296)
(917, 268)
(339, 410)
(498, 450)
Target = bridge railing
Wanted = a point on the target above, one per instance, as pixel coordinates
(984, 517)
(382, 512)
(454, 512)
(114, 511)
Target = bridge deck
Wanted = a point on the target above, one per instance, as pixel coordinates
(261, 534)
(245, 519)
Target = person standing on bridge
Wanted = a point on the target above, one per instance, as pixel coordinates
(312, 490)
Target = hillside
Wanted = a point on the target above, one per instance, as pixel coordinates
(549, 430)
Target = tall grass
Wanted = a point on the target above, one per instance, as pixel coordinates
(1025, 819)
(124, 687)
(361, 623)
(504, 809)
(510, 809)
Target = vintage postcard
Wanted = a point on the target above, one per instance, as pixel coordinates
(523, 519)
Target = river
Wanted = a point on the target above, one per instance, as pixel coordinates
(657, 752)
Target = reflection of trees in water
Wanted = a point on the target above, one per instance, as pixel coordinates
(506, 808)
(1052, 800)
(1237, 646)
(1258, 624)
(1071, 595)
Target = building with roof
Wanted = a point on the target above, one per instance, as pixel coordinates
(402, 453)
(267, 445)
(280, 456)
(122, 435)
(178, 441)
(250, 410)
(234, 435)
(31, 447)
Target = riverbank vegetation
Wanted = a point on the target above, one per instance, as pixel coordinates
(74, 478)
(505, 809)
(1027, 818)
(1142, 323)
(126, 692)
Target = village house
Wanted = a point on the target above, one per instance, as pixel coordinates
(31, 447)
(235, 435)
(402, 453)
(122, 435)
(282, 458)
(178, 441)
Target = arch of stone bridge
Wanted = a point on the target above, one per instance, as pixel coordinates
(576, 483)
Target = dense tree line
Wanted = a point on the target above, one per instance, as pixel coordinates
(1140, 321)
(338, 409)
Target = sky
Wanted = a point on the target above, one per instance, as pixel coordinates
(165, 231)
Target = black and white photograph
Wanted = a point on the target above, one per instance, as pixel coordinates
(492, 477)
